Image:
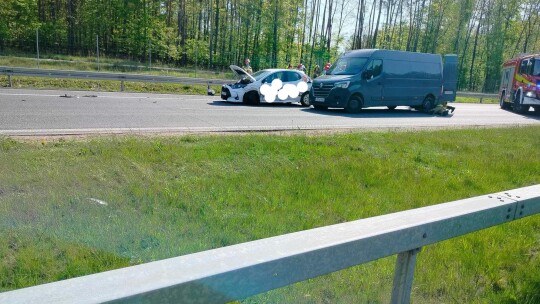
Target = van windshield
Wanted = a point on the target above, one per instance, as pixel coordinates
(348, 66)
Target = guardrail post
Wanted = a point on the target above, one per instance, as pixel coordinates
(403, 277)
(122, 86)
(10, 84)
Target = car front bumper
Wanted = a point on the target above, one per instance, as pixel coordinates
(230, 95)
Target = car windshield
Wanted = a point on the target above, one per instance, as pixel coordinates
(260, 74)
(348, 66)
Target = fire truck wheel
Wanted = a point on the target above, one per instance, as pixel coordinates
(504, 105)
(517, 106)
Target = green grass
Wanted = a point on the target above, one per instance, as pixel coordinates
(462, 99)
(177, 195)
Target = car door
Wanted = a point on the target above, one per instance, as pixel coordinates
(293, 78)
(373, 83)
(268, 80)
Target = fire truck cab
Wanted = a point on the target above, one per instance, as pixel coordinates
(520, 84)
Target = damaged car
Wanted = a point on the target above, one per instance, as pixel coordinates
(268, 86)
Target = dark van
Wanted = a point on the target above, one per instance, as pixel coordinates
(372, 77)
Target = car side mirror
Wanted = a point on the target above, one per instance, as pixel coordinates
(367, 74)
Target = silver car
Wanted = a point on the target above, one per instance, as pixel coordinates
(268, 86)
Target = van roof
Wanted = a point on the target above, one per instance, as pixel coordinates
(397, 55)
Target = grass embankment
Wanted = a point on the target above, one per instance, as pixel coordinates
(107, 65)
(462, 99)
(63, 62)
(172, 196)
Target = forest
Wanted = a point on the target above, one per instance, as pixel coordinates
(274, 33)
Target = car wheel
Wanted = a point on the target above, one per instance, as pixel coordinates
(391, 107)
(428, 103)
(304, 100)
(317, 107)
(517, 106)
(536, 109)
(355, 104)
(252, 98)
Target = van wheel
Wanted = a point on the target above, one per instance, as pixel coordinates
(428, 103)
(517, 106)
(391, 107)
(252, 98)
(304, 100)
(355, 104)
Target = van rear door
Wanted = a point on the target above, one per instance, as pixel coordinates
(449, 78)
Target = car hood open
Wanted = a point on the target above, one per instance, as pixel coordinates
(241, 73)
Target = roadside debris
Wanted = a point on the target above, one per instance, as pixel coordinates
(210, 91)
(69, 96)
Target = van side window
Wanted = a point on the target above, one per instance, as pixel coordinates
(375, 68)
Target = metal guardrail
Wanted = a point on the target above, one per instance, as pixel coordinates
(14, 71)
(475, 94)
(236, 272)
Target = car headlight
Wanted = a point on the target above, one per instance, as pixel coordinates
(529, 94)
(342, 84)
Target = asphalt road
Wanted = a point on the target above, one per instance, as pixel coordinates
(40, 112)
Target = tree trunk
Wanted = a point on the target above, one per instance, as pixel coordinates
(374, 42)
(275, 39)
(71, 25)
(182, 30)
(471, 81)
(329, 26)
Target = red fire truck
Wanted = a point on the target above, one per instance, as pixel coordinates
(520, 84)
